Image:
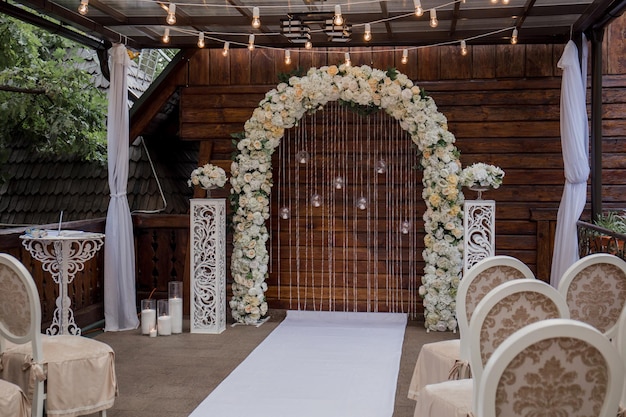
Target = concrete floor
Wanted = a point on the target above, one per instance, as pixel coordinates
(169, 376)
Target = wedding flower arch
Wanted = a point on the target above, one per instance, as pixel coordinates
(417, 113)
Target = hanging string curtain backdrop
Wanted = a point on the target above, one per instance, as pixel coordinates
(361, 87)
(120, 311)
(356, 250)
(575, 145)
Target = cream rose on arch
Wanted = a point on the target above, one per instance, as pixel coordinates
(417, 113)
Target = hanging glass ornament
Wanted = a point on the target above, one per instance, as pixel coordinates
(316, 200)
(361, 203)
(285, 213)
(339, 182)
(381, 166)
(302, 157)
(405, 227)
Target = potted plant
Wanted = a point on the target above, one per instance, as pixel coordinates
(613, 221)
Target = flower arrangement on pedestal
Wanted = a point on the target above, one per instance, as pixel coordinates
(482, 176)
(362, 86)
(207, 177)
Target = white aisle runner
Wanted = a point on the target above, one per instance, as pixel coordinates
(317, 364)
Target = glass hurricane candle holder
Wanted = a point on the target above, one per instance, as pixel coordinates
(175, 293)
(164, 321)
(148, 316)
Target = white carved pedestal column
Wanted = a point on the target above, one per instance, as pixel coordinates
(208, 265)
(479, 225)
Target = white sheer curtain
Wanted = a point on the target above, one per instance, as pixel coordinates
(575, 145)
(120, 312)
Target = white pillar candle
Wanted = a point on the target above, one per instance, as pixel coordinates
(148, 320)
(176, 313)
(153, 332)
(165, 325)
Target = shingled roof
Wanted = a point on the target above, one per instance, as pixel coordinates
(38, 187)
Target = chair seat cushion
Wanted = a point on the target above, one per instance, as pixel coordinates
(13, 402)
(433, 365)
(446, 399)
(80, 373)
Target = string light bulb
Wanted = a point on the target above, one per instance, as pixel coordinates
(171, 14)
(338, 19)
(256, 18)
(251, 42)
(418, 8)
(514, 37)
(308, 45)
(405, 56)
(166, 36)
(201, 40)
(463, 47)
(83, 8)
(287, 57)
(433, 18)
(347, 59)
(226, 48)
(367, 36)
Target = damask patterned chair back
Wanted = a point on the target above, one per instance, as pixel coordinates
(620, 343)
(479, 280)
(20, 314)
(595, 290)
(506, 309)
(556, 367)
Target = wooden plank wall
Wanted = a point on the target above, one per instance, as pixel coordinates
(501, 101)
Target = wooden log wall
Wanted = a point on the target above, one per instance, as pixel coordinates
(501, 101)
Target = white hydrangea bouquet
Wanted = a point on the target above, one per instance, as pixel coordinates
(482, 176)
(208, 177)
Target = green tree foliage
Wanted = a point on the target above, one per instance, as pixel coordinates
(45, 101)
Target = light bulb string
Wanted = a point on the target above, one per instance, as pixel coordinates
(359, 51)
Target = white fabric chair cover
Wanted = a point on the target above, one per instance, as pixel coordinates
(555, 367)
(440, 361)
(595, 290)
(78, 373)
(505, 309)
(13, 402)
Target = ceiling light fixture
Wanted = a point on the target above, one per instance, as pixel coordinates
(83, 8)
(405, 56)
(338, 19)
(256, 18)
(171, 14)
(201, 40)
(287, 57)
(463, 47)
(226, 48)
(166, 36)
(251, 43)
(514, 37)
(308, 45)
(295, 31)
(418, 8)
(347, 57)
(338, 33)
(367, 36)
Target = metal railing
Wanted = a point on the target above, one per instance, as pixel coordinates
(596, 239)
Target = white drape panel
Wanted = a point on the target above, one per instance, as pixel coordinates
(120, 312)
(575, 146)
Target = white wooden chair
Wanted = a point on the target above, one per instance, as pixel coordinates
(13, 401)
(595, 290)
(73, 374)
(504, 310)
(556, 367)
(449, 359)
